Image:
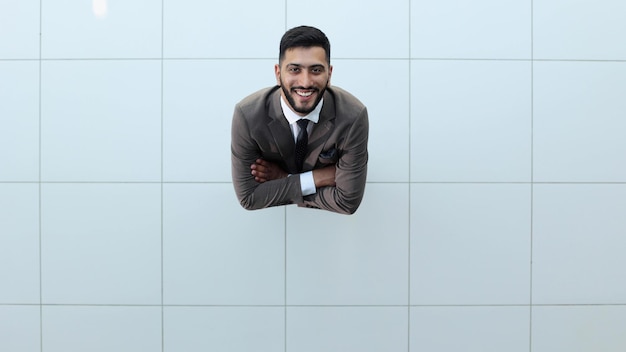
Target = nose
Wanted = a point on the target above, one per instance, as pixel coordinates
(305, 79)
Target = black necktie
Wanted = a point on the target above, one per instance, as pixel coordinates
(301, 143)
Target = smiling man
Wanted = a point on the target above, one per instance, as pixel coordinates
(302, 141)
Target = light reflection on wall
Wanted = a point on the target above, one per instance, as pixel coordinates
(100, 8)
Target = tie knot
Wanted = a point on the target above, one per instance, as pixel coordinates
(303, 123)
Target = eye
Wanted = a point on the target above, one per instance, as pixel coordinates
(317, 70)
(294, 69)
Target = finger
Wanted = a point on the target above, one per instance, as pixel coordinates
(259, 174)
(263, 163)
(259, 170)
(259, 180)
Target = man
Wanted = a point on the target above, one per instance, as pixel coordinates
(319, 162)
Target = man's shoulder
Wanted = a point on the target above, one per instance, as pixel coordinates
(345, 102)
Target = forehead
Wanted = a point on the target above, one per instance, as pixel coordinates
(305, 56)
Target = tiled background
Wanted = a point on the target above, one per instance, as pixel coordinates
(494, 217)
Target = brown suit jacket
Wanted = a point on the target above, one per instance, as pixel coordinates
(260, 130)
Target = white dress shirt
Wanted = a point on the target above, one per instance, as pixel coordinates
(306, 178)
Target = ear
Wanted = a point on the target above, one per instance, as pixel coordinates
(330, 74)
(277, 73)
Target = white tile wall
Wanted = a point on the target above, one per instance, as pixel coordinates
(493, 214)
(471, 329)
(337, 329)
(470, 121)
(20, 328)
(357, 260)
(470, 244)
(101, 328)
(579, 328)
(90, 30)
(101, 121)
(578, 30)
(19, 118)
(583, 104)
(232, 29)
(578, 244)
(19, 29)
(237, 329)
(101, 243)
(482, 29)
(214, 252)
(19, 243)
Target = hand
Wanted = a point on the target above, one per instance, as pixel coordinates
(264, 170)
(324, 177)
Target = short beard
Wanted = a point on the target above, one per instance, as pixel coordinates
(292, 102)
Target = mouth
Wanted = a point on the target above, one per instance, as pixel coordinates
(304, 93)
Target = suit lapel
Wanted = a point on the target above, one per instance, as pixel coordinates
(321, 130)
(281, 131)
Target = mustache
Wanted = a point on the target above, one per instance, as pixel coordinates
(315, 89)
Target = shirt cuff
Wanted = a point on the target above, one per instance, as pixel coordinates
(307, 183)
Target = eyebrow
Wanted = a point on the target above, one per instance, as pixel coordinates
(312, 66)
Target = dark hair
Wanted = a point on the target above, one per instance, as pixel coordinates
(304, 36)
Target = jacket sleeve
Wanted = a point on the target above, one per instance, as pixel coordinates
(351, 172)
(251, 194)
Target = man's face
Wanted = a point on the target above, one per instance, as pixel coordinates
(303, 76)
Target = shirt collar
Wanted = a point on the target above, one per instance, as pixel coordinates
(292, 117)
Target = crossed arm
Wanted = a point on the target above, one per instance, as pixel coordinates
(264, 171)
(339, 187)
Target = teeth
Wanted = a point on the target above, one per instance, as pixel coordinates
(304, 94)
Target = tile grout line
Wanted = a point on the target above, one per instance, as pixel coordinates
(409, 225)
(157, 305)
(70, 59)
(532, 173)
(200, 58)
(285, 231)
(40, 185)
(162, 174)
(285, 346)
(369, 182)
(285, 273)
